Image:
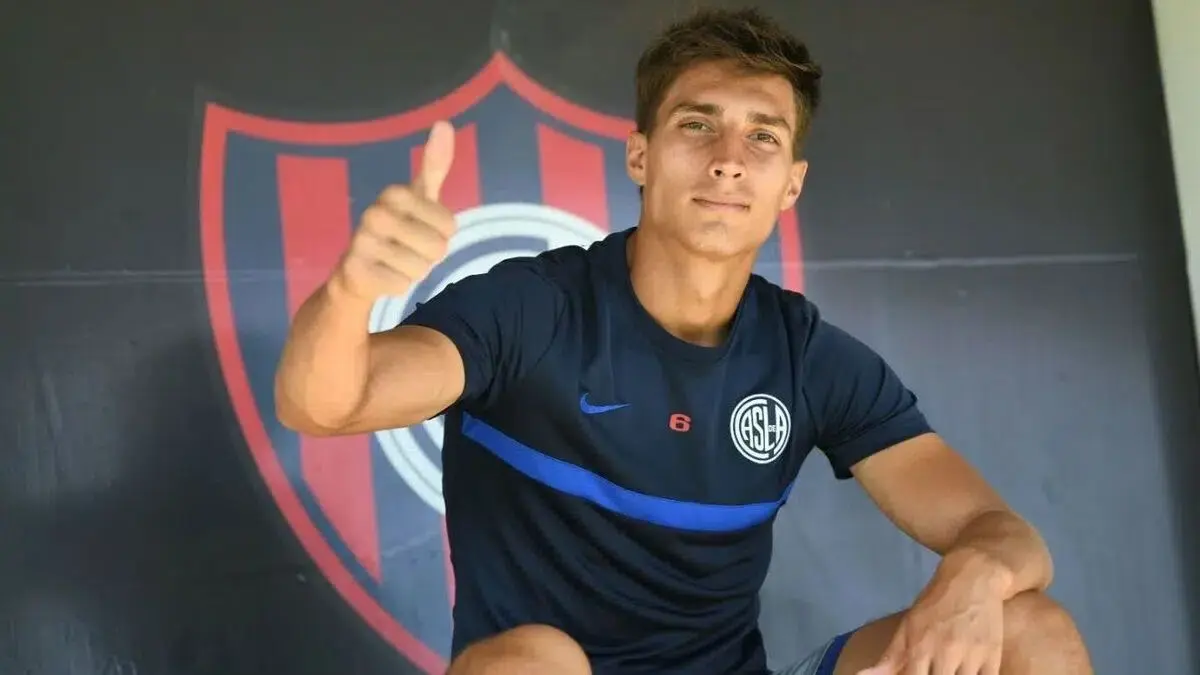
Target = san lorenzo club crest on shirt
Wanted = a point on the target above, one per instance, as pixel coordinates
(760, 426)
(278, 200)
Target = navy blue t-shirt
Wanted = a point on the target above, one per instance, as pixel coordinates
(607, 478)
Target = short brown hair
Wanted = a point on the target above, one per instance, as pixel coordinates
(745, 37)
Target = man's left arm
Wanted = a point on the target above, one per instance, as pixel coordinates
(928, 490)
(869, 425)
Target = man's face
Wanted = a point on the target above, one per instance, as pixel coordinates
(718, 168)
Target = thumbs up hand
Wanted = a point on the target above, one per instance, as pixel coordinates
(405, 232)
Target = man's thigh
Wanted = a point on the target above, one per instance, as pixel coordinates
(848, 653)
(867, 644)
(1037, 630)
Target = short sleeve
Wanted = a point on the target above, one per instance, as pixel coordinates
(502, 321)
(858, 402)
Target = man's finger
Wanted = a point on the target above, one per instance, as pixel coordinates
(992, 665)
(890, 664)
(921, 665)
(955, 662)
(435, 161)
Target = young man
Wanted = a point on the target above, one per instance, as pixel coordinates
(624, 421)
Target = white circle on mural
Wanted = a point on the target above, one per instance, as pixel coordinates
(486, 235)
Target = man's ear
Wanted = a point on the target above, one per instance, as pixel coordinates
(635, 157)
(795, 184)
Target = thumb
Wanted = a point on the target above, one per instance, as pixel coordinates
(435, 161)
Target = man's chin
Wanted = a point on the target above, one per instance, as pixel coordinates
(718, 239)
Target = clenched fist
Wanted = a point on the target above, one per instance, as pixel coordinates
(405, 232)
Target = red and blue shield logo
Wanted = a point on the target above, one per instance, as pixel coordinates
(278, 201)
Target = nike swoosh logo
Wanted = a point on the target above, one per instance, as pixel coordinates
(589, 409)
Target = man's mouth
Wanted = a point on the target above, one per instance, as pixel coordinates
(719, 204)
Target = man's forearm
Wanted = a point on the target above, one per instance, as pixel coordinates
(322, 374)
(1006, 550)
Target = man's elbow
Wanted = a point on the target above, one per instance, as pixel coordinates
(308, 420)
(306, 426)
(294, 420)
(1022, 536)
(1036, 541)
(1047, 557)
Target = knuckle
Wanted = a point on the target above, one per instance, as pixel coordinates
(364, 239)
(376, 217)
(445, 215)
(398, 195)
(441, 247)
(409, 271)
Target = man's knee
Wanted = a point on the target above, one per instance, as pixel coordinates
(1033, 612)
(1038, 629)
(531, 649)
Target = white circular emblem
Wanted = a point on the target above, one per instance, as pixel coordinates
(760, 426)
(486, 235)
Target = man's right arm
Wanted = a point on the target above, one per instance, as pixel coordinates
(337, 378)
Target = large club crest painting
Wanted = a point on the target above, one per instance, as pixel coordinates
(278, 200)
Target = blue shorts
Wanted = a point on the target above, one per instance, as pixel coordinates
(820, 662)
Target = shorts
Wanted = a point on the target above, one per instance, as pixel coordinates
(820, 662)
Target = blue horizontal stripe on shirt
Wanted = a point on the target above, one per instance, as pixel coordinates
(580, 482)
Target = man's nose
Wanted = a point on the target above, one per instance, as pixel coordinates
(727, 169)
(727, 161)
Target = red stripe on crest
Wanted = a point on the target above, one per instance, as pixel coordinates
(314, 206)
(793, 254)
(461, 189)
(573, 175)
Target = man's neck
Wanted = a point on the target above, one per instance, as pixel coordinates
(691, 297)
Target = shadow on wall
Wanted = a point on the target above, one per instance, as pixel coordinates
(1177, 374)
(147, 542)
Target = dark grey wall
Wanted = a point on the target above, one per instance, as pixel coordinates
(990, 205)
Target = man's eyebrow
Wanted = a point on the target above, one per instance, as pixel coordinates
(762, 118)
(701, 108)
(769, 120)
